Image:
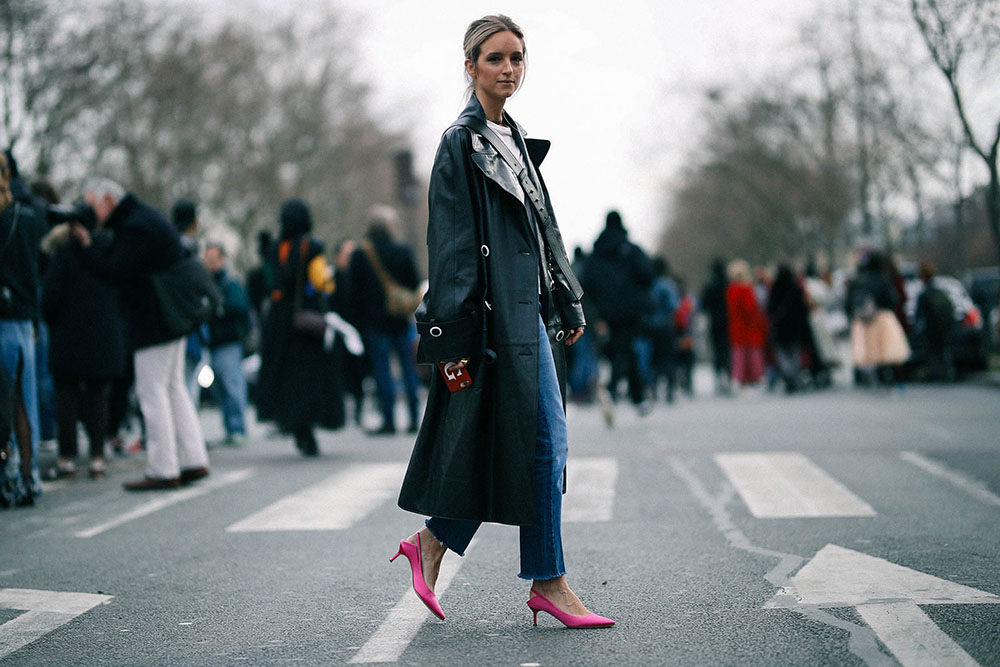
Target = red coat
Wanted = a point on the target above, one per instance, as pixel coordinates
(747, 325)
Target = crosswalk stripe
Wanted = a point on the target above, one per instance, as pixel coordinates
(166, 499)
(44, 611)
(788, 485)
(590, 489)
(406, 618)
(971, 486)
(336, 503)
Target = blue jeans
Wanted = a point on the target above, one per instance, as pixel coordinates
(17, 348)
(541, 543)
(380, 347)
(230, 387)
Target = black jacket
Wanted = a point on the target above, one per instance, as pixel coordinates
(367, 298)
(19, 278)
(144, 242)
(83, 311)
(617, 278)
(474, 454)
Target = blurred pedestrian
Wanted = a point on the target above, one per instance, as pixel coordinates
(659, 325)
(300, 383)
(788, 319)
(21, 232)
(934, 325)
(495, 450)
(387, 335)
(87, 329)
(713, 304)
(684, 338)
(747, 326)
(617, 277)
(357, 368)
(582, 358)
(227, 329)
(878, 342)
(144, 241)
(819, 297)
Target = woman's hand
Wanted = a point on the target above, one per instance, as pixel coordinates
(573, 335)
(459, 365)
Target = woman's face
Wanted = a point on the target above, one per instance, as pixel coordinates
(498, 71)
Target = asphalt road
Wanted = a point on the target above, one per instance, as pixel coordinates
(840, 528)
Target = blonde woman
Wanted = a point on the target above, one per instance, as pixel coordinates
(501, 305)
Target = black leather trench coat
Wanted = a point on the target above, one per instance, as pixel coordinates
(474, 454)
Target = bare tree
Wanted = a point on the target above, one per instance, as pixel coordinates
(955, 33)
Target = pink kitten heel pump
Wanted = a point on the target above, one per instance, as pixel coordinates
(426, 595)
(541, 603)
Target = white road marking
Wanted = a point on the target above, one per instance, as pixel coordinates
(912, 636)
(971, 486)
(590, 490)
(886, 595)
(168, 498)
(406, 618)
(44, 612)
(336, 503)
(779, 485)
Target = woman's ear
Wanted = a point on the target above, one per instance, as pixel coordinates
(470, 68)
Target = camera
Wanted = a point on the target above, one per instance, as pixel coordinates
(80, 212)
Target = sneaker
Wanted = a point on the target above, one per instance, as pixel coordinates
(235, 440)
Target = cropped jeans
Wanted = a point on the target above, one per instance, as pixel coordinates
(541, 543)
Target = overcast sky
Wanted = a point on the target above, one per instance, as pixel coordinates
(614, 85)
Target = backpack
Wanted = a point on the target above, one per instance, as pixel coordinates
(186, 294)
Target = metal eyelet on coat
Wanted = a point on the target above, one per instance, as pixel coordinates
(435, 331)
(488, 306)
(560, 335)
(485, 249)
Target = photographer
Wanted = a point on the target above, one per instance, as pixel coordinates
(145, 241)
(21, 231)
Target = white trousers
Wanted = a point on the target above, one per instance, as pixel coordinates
(173, 434)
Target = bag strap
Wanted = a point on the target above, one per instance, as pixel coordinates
(376, 262)
(13, 226)
(552, 238)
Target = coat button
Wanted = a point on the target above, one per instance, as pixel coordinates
(435, 331)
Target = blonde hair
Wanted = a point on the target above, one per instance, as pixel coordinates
(5, 195)
(482, 29)
(738, 271)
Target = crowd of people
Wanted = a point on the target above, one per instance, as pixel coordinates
(85, 345)
(764, 327)
(82, 340)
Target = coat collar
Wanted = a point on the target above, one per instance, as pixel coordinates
(490, 163)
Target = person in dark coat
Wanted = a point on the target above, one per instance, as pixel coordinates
(788, 315)
(618, 277)
(300, 385)
(501, 305)
(144, 242)
(934, 325)
(386, 335)
(21, 232)
(713, 303)
(87, 334)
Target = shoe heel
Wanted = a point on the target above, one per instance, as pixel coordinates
(535, 620)
(398, 554)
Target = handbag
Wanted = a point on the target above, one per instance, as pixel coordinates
(186, 294)
(399, 301)
(307, 322)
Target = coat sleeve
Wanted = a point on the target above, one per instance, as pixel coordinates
(448, 318)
